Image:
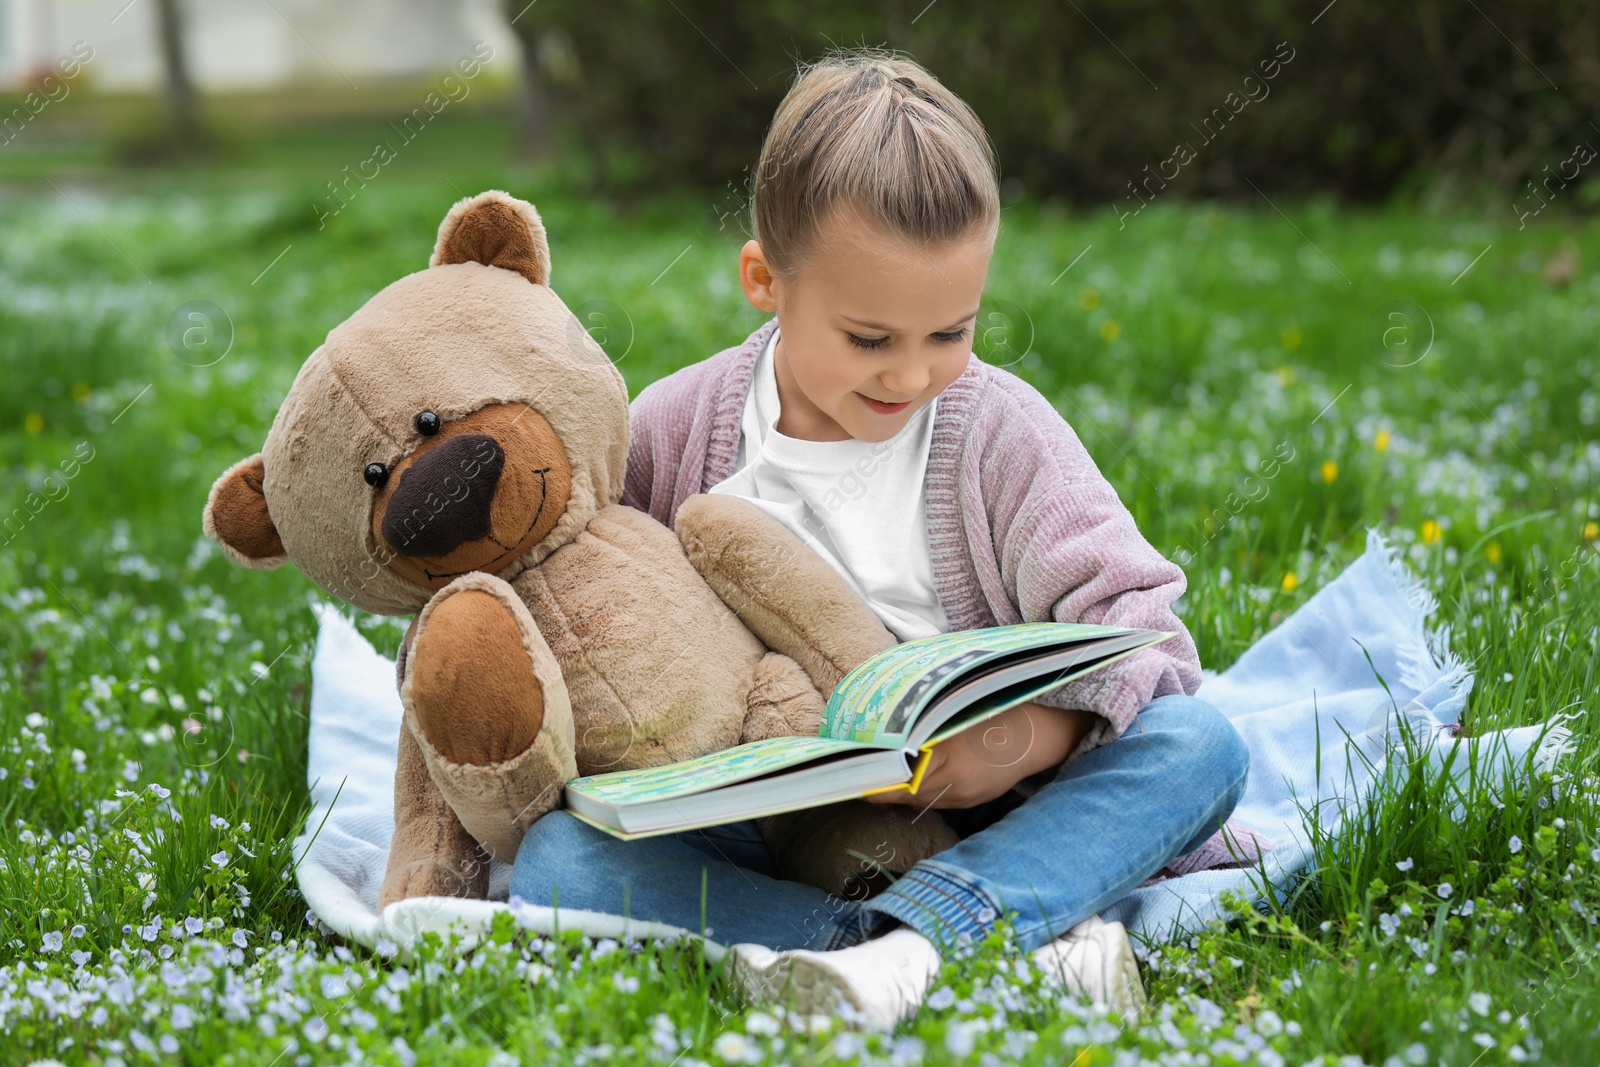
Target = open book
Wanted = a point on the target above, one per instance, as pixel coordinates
(877, 733)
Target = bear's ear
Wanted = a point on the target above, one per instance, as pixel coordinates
(236, 517)
(497, 230)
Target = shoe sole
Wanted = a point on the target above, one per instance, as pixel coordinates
(802, 983)
(1124, 992)
(1127, 988)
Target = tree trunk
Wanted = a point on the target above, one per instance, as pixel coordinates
(535, 126)
(183, 104)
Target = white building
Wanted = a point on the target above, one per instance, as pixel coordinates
(250, 44)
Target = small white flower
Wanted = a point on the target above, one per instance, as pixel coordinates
(1444, 890)
(160, 791)
(1479, 1002)
(1405, 864)
(1388, 924)
(1469, 907)
(240, 939)
(218, 822)
(220, 859)
(194, 925)
(52, 941)
(1515, 844)
(731, 1046)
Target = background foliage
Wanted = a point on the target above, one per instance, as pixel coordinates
(1081, 97)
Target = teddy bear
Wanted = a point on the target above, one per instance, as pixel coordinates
(455, 451)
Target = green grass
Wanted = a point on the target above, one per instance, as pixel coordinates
(1188, 348)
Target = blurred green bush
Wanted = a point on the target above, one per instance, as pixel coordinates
(1082, 97)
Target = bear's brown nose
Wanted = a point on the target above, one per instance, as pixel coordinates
(443, 499)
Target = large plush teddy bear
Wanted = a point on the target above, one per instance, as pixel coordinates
(455, 450)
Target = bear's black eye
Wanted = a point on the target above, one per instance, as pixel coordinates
(376, 474)
(428, 423)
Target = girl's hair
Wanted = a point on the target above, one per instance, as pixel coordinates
(874, 132)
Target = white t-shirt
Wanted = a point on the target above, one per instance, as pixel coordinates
(858, 504)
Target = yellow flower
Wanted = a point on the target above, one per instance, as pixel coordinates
(1591, 530)
(1285, 376)
(32, 423)
(1291, 338)
(1381, 442)
(1431, 533)
(1290, 582)
(1492, 551)
(1089, 299)
(1110, 330)
(80, 392)
(1330, 471)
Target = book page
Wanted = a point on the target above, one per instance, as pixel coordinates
(1010, 683)
(712, 771)
(878, 702)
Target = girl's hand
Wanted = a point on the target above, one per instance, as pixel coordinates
(980, 764)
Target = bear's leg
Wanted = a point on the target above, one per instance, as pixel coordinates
(485, 697)
(785, 593)
(848, 849)
(853, 849)
(431, 854)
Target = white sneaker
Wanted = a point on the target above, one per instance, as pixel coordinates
(873, 985)
(1095, 958)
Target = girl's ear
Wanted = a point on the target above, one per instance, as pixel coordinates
(755, 275)
(236, 517)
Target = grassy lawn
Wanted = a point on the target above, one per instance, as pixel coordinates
(153, 697)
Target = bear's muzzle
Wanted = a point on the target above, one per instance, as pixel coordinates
(443, 500)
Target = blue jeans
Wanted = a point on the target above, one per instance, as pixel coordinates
(1110, 819)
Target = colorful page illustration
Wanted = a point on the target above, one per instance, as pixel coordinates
(878, 702)
(712, 771)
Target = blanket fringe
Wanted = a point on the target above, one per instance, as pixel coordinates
(1556, 743)
(1425, 662)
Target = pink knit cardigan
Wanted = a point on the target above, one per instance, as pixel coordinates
(1022, 525)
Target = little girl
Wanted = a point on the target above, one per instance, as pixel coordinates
(951, 495)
